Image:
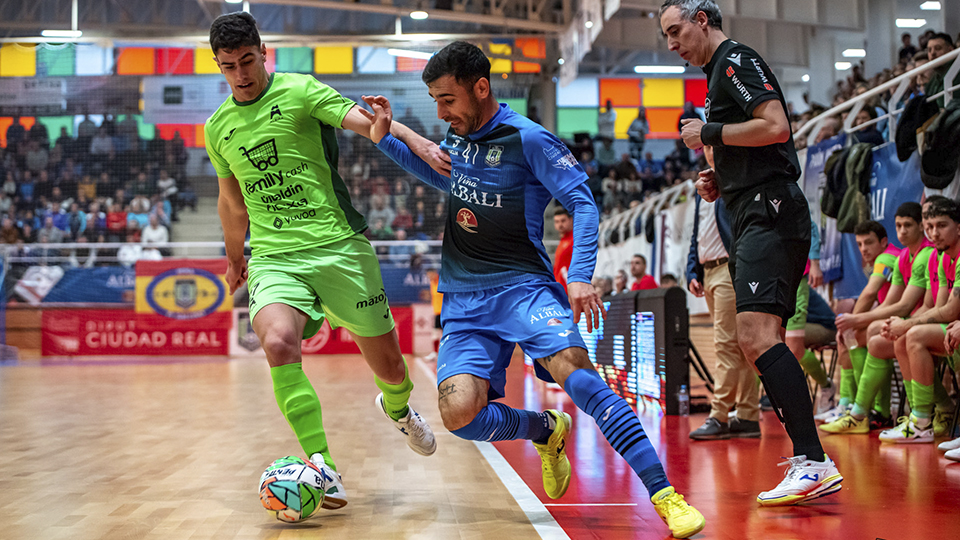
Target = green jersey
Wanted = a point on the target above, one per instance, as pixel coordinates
(919, 273)
(282, 150)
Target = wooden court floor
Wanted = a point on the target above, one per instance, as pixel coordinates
(98, 449)
(102, 450)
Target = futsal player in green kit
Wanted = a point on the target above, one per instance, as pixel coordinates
(274, 148)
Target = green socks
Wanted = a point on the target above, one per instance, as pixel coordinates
(923, 400)
(300, 405)
(876, 373)
(396, 396)
(858, 357)
(848, 386)
(811, 366)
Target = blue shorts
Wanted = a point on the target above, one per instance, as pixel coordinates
(482, 328)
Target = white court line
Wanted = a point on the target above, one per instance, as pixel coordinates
(541, 519)
(590, 504)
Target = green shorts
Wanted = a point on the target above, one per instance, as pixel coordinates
(340, 281)
(797, 323)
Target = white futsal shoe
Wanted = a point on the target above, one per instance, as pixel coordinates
(334, 496)
(416, 430)
(804, 480)
(949, 445)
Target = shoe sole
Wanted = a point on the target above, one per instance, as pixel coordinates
(692, 531)
(857, 431)
(907, 441)
(333, 503)
(829, 486)
(746, 435)
(710, 437)
(953, 458)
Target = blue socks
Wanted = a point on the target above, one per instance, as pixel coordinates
(619, 425)
(498, 422)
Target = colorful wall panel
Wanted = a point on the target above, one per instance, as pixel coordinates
(94, 60)
(18, 60)
(203, 62)
(295, 60)
(375, 60)
(573, 120)
(663, 92)
(333, 60)
(56, 60)
(173, 61)
(695, 90)
(622, 92)
(136, 61)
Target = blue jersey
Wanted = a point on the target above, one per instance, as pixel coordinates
(503, 176)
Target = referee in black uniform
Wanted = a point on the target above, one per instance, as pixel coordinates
(756, 172)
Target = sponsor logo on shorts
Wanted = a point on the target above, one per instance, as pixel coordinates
(565, 333)
(373, 300)
(467, 220)
(550, 313)
(554, 322)
(754, 285)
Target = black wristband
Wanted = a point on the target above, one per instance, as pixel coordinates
(712, 134)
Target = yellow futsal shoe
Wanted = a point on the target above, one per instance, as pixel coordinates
(847, 424)
(553, 456)
(683, 520)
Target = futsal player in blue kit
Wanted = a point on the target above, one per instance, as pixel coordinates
(498, 284)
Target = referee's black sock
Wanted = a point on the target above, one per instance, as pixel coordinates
(785, 384)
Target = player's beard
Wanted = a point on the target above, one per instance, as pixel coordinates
(470, 121)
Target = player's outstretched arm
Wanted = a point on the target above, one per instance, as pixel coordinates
(234, 219)
(360, 121)
(868, 296)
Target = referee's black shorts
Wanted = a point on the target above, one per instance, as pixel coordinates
(771, 242)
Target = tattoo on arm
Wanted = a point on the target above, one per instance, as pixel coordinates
(548, 358)
(447, 390)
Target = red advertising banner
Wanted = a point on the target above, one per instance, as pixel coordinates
(123, 332)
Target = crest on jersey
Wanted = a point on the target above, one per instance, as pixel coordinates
(493, 155)
(466, 220)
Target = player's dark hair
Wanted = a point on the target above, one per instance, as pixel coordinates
(465, 61)
(943, 208)
(933, 198)
(231, 31)
(868, 227)
(642, 258)
(690, 8)
(911, 210)
(560, 211)
(944, 36)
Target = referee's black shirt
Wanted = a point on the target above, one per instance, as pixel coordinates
(738, 80)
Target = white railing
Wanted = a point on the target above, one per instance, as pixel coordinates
(902, 83)
(64, 252)
(623, 221)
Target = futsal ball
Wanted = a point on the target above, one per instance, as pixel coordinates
(293, 488)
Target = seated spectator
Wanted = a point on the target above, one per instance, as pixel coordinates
(381, 231)
(29, 233)
(602, 285)
(642, 280)
(6, 203)
(117, 223)
(10, 185)
(606, 156)
(403, 220)
(87, 187)
(619, 283)
(937, 46)
(37, 157)
(102, 143)
(869, 134)
(419, 217)
(154, 233)
(49, 233)
(381, 211)
(399, 251)
(76, 221)
(626, 167)
(8, 232)
(831, 128)
(26, 187)
(401, 190)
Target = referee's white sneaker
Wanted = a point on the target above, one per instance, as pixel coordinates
(949, 445)
(414, 428)
(804, 480)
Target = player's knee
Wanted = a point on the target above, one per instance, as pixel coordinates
(459, 415)
(282, 346)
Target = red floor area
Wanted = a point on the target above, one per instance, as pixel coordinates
(889, 492)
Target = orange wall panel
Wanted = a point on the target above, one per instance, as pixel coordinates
(664, 120)
(136, 61)
(623, 92)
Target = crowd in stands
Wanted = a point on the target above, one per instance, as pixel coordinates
(105, 184)
(931, 46)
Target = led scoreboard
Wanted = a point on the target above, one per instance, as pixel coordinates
(641, 348)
